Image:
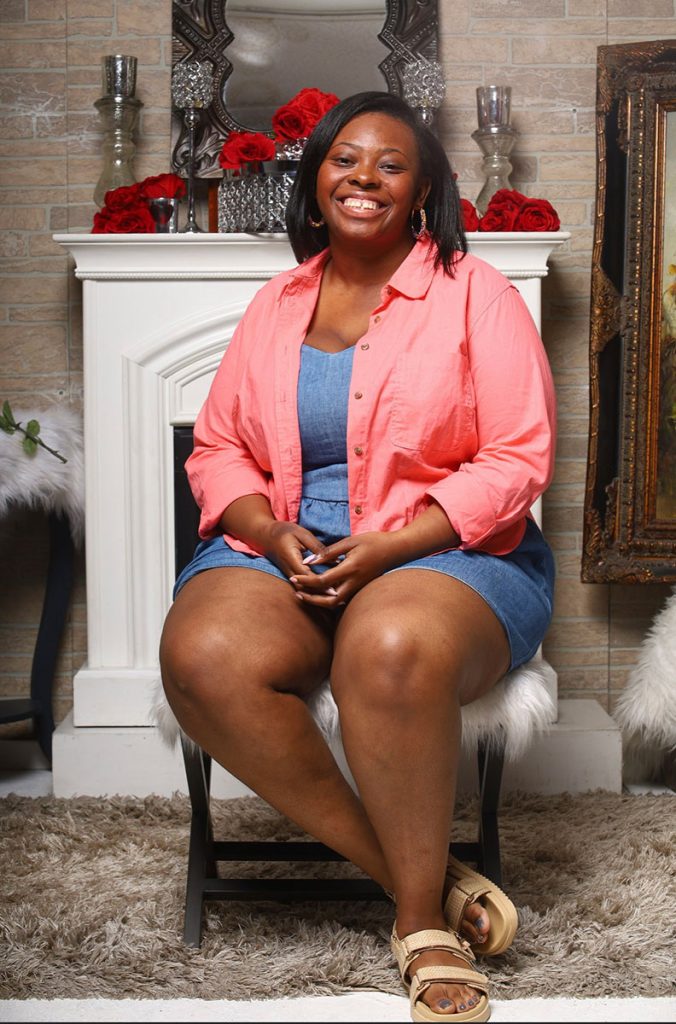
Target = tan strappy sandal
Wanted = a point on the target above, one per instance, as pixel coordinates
(406, 950)
(466, 887)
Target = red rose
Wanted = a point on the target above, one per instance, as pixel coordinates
(469, 215)
(501, 218)
(123, 197)
(315, 101)
(291, 123)
(506, 197)
(298, 118)
(245, 147)
(132, 220)
(537, 215)
(162, 186)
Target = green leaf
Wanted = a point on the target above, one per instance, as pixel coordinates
(30, 446)
(33, 428)
(8, 414)
(6, 426)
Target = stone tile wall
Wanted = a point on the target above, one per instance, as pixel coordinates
(50, 55)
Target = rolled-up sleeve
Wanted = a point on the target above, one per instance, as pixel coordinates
(516, 427)
(221, 468)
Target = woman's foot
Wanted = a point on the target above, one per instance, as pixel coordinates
(475, 924)
(478, 908)
(448, 998)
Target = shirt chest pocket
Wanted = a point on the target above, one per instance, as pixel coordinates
(433, 405)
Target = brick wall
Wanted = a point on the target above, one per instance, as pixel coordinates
(50, 58)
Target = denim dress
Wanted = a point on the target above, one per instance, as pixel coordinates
(518, 587)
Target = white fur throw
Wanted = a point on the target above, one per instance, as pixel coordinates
(646, 708)
(41, 480)
(509, 713)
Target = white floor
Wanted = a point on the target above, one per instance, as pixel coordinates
(357, 1006)
(366, 1006)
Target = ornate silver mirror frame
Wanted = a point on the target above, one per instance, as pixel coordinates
(200, 33)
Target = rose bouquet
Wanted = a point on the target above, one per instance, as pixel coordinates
(292, 123)
(126, 209)
(259, 168)
(509, 210)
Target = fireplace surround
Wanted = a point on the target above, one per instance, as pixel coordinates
(158, 312)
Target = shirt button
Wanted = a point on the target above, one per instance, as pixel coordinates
(358, 450)
(358, 394)
(365, 346)
(358, 509)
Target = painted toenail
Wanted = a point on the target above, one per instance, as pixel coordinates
(480, 937)
(479, 923)
(445, 1003)
(462, 1006)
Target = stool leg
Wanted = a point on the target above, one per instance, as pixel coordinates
(201, 864)
(491, 761)
(54, 611)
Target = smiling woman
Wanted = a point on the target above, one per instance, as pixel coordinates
(365, 464)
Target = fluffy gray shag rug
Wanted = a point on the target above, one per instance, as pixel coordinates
(92, 897)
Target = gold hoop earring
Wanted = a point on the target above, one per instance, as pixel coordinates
(417, 232)
(316, 223)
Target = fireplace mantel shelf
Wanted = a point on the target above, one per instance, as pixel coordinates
(111, 257)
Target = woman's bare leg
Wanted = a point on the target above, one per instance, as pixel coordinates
(237, 655)
(412, 647)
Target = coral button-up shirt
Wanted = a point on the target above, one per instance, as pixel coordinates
(451, 401)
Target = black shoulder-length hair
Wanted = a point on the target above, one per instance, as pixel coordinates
(442, 207)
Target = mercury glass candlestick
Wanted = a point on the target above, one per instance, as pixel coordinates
(192, 88)
(495, 136)
(119, 110)
(424, 87)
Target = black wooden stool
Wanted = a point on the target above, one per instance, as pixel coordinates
(206, 852)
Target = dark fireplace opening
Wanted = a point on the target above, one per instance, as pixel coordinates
(186, 512)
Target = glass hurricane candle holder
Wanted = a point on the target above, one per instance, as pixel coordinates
(192, 87)
(495, 137)
(119, 111)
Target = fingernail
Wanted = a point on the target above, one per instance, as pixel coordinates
(332, 591)
(444, 1003)
(310, 558)
(293, 579)
(299, 596)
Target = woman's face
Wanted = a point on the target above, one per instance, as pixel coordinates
(370, 181)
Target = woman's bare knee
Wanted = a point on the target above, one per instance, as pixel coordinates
(396, 668)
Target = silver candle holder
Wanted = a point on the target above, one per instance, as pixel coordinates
(119, 110)
(424, 87)
(192, 88)
(495, 136)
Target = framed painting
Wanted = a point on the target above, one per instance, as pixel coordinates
(630, 498)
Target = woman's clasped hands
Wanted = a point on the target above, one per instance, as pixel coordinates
(353, 562)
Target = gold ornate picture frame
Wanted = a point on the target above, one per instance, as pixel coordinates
(630, 499)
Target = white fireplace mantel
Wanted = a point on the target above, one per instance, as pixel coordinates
(159, 310)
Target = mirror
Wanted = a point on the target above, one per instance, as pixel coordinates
(264, 51)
